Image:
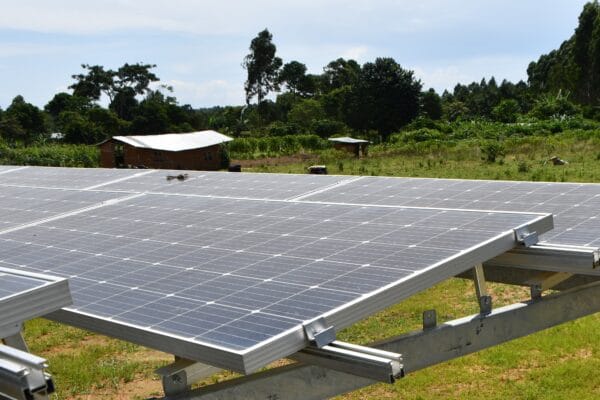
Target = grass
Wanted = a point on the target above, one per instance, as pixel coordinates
(559, 363)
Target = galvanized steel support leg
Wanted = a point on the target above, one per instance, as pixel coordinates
(483, 298)
(17, 342)
(180, 375)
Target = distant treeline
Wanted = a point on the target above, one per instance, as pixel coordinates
(373, 100)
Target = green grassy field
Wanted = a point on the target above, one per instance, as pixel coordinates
(560, 363)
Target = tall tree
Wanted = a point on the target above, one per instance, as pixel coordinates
(26, 121)
(262, 66)
(386, 97)
(431, 104)
(340, 73)
(129, 80)
(293, 75)
(94, 82)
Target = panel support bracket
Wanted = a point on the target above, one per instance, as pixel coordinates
(546, 280)
(318, 333)
(525, 237)
(178, 377)
(366, 362)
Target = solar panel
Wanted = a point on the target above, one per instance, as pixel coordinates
(65, 178)
(231, 281)
(23, 205)
(24, 296)
(246, 185)
(576, 206)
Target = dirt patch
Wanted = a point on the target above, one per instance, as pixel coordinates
(142, 388)
(72, 345)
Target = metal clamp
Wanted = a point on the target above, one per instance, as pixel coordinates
(318, 333)
(525, 237)
(376, 364)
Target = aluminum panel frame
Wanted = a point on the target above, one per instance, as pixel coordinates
(52, 294)
(293, 340)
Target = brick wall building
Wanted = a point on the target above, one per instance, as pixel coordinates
(194, 151)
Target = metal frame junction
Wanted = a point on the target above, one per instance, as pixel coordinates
(23, 376)
(329, 367)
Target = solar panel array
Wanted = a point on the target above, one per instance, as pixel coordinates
(230, 263)
(576, 206)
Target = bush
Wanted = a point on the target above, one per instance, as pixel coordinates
(327, 127)
(506, 111)
(56, 155)
(418, 135)
(492, 150)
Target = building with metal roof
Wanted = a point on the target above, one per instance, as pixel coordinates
(358, 147)
(194, 150)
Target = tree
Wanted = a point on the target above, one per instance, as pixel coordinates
(339, 73)
(262, 66)
(506, 111)
(386, 97)
(66, 102)
(152, 115)
(94, 82)
(77, 128)
(431, 105)
(306, 113)
(293, 75)
(128, 79)
(25, 121)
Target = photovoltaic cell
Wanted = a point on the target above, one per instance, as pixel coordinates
(234, 273)
(227, 267)
(23, 205)
(576, 206)
(246, 185)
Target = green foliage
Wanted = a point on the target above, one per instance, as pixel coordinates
(305, 113)
(492, 150)
(506, 111)
(245, 148)
(418, 135)
(386, 97)
(22, 122)
(327, 127)
(278, 128)
(431, 105)
(575, 65)
(262, 66)
(51, 155)
(293, 76)
(340, 73)
(554, 106)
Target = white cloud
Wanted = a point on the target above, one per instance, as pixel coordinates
(357, 53)
(445, 75)
(207, 93)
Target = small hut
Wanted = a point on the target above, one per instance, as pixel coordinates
(195, 151)
(358, 147)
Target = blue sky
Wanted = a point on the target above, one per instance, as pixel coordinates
(199, 46)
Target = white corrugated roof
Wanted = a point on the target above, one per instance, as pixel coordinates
(175, 141)
(347, 139)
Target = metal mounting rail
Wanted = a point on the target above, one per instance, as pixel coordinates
(367, 362)
(552, 257)
(420, 349)
(23, 375)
